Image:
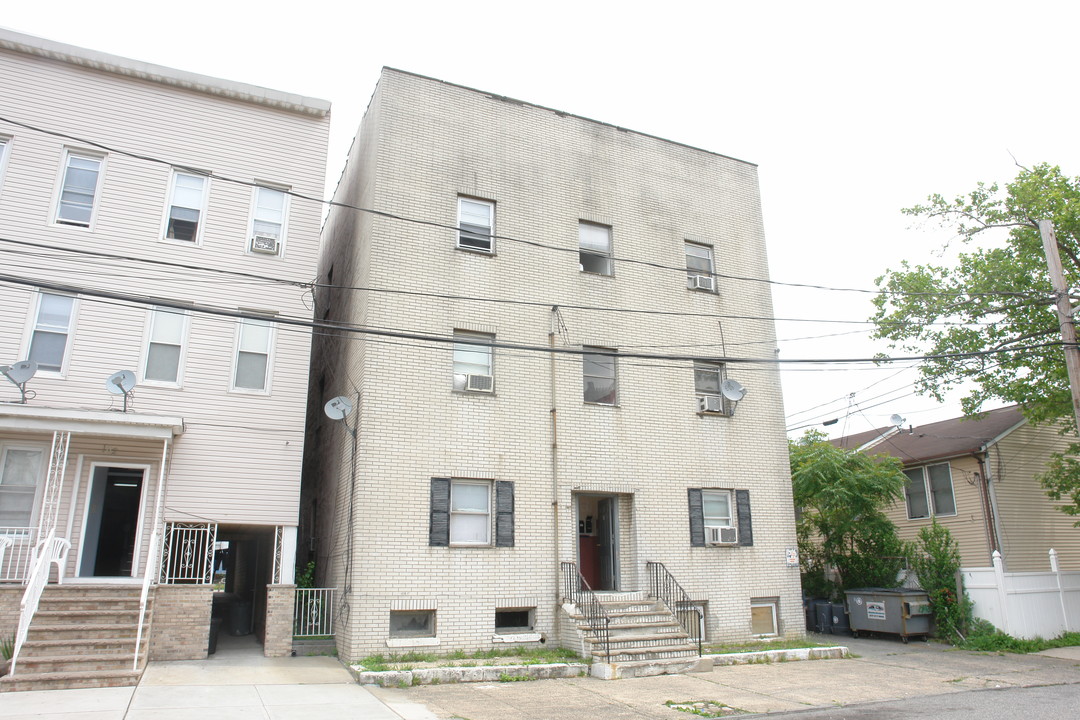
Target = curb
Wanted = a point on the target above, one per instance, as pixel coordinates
(778, 656)
(488, 673)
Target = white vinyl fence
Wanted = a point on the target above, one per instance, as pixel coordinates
(1026, 604)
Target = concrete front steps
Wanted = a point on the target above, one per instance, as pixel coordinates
(82, 636)
(644, 638)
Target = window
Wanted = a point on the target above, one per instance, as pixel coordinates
(187, 204)
(268, 219)
(461, 512)
(252, 354)
(594, 245)
(720, 517)
(78, 189)
(707, 379)
(52, 328)
(165, 346)
(476, 222)
(598, 376)
(699, 267)
(929, 491)
(21, 468)
(472, 362)
(5, 142)
(514, 620)
(763, 617)
(412, 623)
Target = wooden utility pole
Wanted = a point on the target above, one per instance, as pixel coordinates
(1065, 313)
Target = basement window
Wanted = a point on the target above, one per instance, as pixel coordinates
(514, 620)
(412, 623)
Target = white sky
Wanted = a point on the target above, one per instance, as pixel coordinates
(852, 110)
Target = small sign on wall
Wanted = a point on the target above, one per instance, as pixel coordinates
(792, 557)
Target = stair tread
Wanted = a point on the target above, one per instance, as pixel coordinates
(679, 636)
(71, 674)
(645, 650)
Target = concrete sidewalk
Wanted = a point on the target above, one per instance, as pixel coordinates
(237, 682)
(882, 669)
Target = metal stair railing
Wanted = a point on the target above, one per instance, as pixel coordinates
(49, 551)
(664, 587)
(576, 589)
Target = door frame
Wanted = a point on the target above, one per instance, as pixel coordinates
(615, 501)
(140, 525)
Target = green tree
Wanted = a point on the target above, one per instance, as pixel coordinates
(988, 321)
(841, 495)
(935, 559)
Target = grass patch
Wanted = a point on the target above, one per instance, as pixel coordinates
(761, 645)
(705, 708)
(461, 658)
(503, 677)
(986, 638)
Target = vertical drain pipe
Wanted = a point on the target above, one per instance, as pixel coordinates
(554, 452)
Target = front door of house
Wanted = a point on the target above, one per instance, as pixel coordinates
(112, 522)
(598, 541)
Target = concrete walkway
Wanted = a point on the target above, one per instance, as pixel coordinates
(236, 682)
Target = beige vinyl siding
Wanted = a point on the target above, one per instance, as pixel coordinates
(1030, 522)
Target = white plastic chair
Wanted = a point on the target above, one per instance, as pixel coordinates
(5, 543)
(56, 549)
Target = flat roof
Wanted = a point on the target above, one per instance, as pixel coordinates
(104, 62)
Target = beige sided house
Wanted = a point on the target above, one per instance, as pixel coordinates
(546, 445)
(146, 226)
(979, 478)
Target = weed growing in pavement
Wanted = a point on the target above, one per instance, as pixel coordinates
(704, 708)
(504, 677)
(985, 637)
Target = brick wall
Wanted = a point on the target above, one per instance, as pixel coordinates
(181, 625)
(10, 597)
(279, 620)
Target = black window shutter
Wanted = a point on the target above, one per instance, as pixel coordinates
(504, 513)
(746, 529)
(697, 518)
(439, 526)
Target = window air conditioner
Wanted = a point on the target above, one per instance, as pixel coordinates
(266, 244)
(479, 383)
(703, 282)
(721, 535)
(710, 403)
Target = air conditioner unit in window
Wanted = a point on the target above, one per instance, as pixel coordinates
(710, 403)
(703, 282)
(479, 383)
(715, 535)
(266, 244)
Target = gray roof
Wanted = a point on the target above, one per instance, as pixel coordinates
(940, 440)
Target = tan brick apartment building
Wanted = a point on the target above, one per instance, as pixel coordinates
(146, 225)
(540, 307)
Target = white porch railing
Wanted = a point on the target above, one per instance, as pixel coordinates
(1025, 604)
(17, 559)
(313, 612)
(52, 550)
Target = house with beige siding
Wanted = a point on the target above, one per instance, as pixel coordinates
(978, 477)
(155, 260)
(547, 431)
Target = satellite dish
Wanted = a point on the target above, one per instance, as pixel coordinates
(121, 382)
(732, 390)
(338, 408)
(896, 420)
(20, 372)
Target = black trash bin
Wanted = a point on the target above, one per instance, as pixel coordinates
(840, 623)
(823, 614)
(240, 618)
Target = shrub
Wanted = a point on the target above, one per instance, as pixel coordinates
(935, 559)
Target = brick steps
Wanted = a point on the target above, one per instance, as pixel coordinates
(83, 636)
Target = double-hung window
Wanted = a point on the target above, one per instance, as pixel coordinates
(5, 142)
(594, 248)
(79, 188)
(165, 346)
(268, 220)
(472, 362)
(465, 512)
(598, 376)
(476, 224)
(470, 513)
(929, 491)
(21, 469)
(252, 362)
(707, 379)
(187, 207)
(699, 267)
(52, 331)
(720, 517)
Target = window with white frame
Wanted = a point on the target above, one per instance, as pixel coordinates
(594, 248)
(21, 469)
(598, 376)
(763, 617)
(268, 220)
(252, 364)
(707, 379)
(5, 143)
(472, 362)
(165, 346)
(699, 267)
(929, 491)
(716, 508)
(187, 206)
(470, 512)
(52, 330)
(79, 186)
(476, 224)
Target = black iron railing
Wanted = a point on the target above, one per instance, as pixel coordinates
(664, 587)
(577, 591)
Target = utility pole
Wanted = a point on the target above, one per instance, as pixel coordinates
(1065, 313)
